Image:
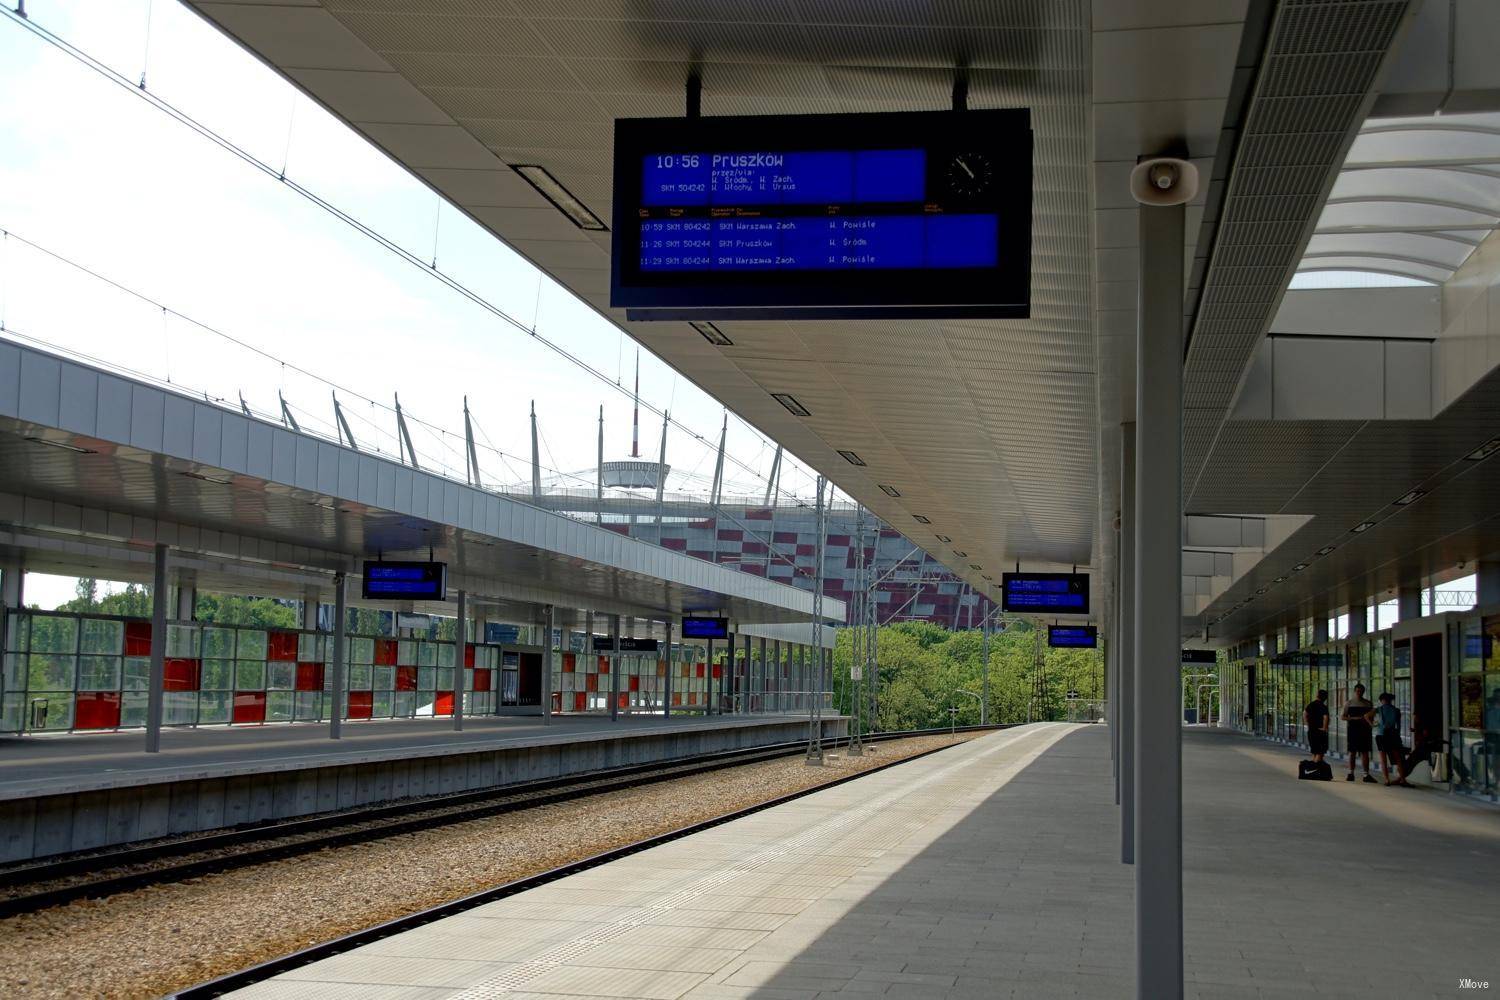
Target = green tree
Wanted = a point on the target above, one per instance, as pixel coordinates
(258, 612)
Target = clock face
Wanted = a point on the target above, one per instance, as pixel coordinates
(970, 174)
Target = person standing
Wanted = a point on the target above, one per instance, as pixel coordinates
(1387, 721)
(1315, 718)
(1357, 728)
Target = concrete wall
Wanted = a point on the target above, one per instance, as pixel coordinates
(46, 825)
(1469, 344)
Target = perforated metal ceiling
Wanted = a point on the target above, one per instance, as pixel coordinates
(987, 429)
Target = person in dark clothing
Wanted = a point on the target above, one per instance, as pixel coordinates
(1357, 721)
(1386, 719)
(1315, 718)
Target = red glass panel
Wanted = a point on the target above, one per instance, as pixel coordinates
(281, 646)
(469, 655)
(580, 702)
(444, 703)
(591, 681)
(556, 701)
(361, 704)
(97, 710)
(179, 674)
(385, 652)
(406, 678)
(718, 670)
(604, 664)
(677, 697)
(624, 700)
(700, 669)
(137, 638)
(481, 680)
(309, 676)
(570, 662)
(249, 706)
(635, 683)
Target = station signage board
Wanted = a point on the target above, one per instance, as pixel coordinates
(846, 216)
(705, 628)
(405, 581)
(1073, 636)
(1199, 657)
(1045, 593)
(606, 644)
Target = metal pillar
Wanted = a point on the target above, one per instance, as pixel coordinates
(984, 689)
(666, 698)
(614, 668)
(336, 687)
(1158, 602)
(550, 662)
(599, 481)
(1126, 656)
(536, 456)
(1359, 619)
(1291, 638)
(661, 475)
(1408, 601)
(1487, 583)
(187, 604)
(1320, 629)
(460, 647)
(815, 711)
(155, 692)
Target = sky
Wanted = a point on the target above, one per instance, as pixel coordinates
(94, 173)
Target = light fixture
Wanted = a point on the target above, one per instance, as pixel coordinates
(63, 445)
(1260, 591)
(1279, 579)
(975, 566)
(1363, 526)
(206, 479)
(325, 506)
(790, 402)
(562, 199)
(712, 334)
(852, 458)
(1299, 567)
(889, 491)
(922, 520)
(944, 539)
(1325, 550)
(988, 577)
(1411, 497)
(1484, 451)
(961, 555)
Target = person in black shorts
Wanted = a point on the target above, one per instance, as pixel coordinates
(1315, 718)
(1357, 720)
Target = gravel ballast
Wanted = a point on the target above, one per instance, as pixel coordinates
(162, 938)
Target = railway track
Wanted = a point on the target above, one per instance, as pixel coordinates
(95, 875)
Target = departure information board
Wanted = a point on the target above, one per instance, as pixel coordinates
(705, 628)
(834, 216)
(1045, 593)
(405, 581)
(1073, 636)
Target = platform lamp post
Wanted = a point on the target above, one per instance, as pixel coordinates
(336, 687)
(1162, 186)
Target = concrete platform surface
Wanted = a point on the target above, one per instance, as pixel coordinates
(988, 870)
(80, 762)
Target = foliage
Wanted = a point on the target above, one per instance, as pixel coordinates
(924, 667)
(133, 601)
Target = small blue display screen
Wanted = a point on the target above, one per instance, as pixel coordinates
(398, 581)
(1073, 636)
(1040, 593)
(705, 628)
(757, 210)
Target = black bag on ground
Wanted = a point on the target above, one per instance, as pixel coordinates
(1314, 770)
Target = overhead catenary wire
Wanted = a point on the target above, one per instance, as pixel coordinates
(229, 146)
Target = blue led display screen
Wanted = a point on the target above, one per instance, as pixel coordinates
(705, 628)
(1045, 593)
(834, 216)
(1073, 636)
(405, 581)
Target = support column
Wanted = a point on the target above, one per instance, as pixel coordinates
(666, 698)
(1320, 628)
(1126, 653)
(1487, 583)
(155, 694)
(1158, 602)
(310, 603)
(614, 668)
(12, 585)
(187, 603)
(708, 678)
(1408, 601)
(1291, 638)
(336, 687)
(460, 654)
(1359, 618)
(550, 661)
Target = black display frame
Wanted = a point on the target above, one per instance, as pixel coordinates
(722, 631)
(1002, 291)
(1091, 630)
(431, 571)
(1031, 609)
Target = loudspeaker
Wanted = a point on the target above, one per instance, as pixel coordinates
(1163, 180)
